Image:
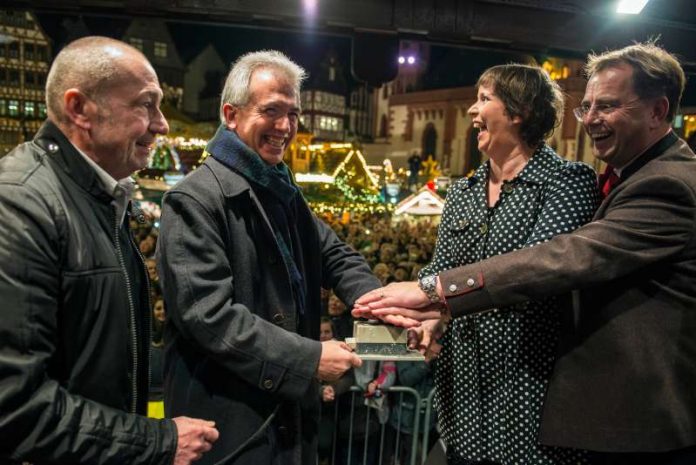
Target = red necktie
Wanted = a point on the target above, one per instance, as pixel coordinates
(608, 180)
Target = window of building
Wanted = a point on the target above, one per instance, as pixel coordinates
(28, 51)
(3, 107)
(136, 42)
(29, 109)
(328, 123)
(13, 50)
(13, 108)
(3, 50)
(29, 79)
(332, 73)
(160, 49)
(40, 53)
(42, 110)
(14, 77)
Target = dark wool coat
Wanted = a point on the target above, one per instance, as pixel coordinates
(236, 346)
(625, 379)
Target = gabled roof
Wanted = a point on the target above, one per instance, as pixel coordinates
(423, 202)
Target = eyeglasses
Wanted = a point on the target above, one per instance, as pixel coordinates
(601, 109)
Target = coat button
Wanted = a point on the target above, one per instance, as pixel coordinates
(453, 288)
(53, 148)
(278, 318)
(483, 228)
(470, 282)
(463, 224)
(268, 383)
(507, 188)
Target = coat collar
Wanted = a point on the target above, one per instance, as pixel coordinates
(52, 140)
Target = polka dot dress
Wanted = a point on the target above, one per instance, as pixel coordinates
(494, 367)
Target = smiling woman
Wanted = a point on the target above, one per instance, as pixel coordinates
(493, 368)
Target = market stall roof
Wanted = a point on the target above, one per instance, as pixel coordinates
(423, 202)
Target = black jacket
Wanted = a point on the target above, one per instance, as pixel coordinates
(71, 366)
(236, 345)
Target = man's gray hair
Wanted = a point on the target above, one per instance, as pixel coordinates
(236, 91)
(90, 64)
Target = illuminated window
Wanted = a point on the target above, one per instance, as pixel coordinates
(29, 109)
(136, 42)
(13, 108)
(329, 123)
(42, 110)
(160, 50)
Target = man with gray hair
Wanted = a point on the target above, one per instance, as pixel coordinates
(75, 318)
(242, 260)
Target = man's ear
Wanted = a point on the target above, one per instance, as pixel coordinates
(78, 108)
(659, 110)
(230, 112)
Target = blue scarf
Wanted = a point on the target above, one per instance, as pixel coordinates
(277, 193)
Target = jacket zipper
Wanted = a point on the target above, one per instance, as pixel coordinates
(131, 306)
(148, 316)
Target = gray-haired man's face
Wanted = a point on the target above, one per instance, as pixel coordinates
(268, 123)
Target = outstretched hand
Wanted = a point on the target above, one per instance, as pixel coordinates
(403, 294)
(400, 304)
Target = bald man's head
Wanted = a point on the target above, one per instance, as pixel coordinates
(91, 65)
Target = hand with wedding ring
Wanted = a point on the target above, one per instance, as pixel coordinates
(401, 304)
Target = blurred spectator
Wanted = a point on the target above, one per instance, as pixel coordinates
(341, 319)
(151, 265)
(381, 270)
(326, 332)
(148, 245)
(158, 319)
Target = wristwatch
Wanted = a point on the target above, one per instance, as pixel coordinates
(428, 284)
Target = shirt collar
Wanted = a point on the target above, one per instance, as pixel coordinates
(111, 185)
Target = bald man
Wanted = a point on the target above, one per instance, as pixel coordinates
(74, 319)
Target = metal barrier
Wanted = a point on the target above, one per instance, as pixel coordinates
(342, 448)
(426, 419)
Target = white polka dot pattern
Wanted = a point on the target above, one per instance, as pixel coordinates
(493, 370)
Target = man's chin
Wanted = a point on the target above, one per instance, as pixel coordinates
(272, 157)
